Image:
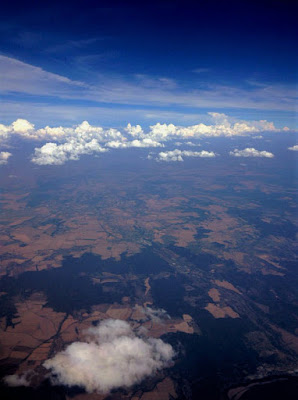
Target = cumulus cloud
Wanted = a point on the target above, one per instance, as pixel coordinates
(177, 155)
(113, 356)
(146, 142)
(251, 152)
(190, 144)
(223, 126)
(4, 156)
(22, 126)
(135, 131)
(294, 148)
(18, 380)
(68, 143)
(53, 154)
(83, 131)
(4, 132)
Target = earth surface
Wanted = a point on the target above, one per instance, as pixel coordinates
(213, 243)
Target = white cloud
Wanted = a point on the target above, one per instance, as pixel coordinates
(190, 144)
(177, 155)
(49, 154)
(116, 144)
(82, 139)
(112, 356)
(22, 126)
(146, 142)
(251, 152)
(174, 155)
(83, 132)
(204, 154)
(4, 132)
(294, 148)
(68, 143)
(53, 154)
(4, 156)
(18, 380)
(87, 131)
(223, 126)
(135, 131)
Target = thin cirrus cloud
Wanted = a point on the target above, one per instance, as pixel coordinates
(200, 70)
(62, 144)
(20, 77)
(136, 90)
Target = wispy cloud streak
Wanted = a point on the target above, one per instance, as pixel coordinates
(141, 90)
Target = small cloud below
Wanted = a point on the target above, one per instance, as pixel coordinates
(190, 144)
(112, 356)
(177, 155)
(18, 380)
(251, 152)
(294, 148)
(4, 156)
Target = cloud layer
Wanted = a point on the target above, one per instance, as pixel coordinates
(69, 143)
(113, 356)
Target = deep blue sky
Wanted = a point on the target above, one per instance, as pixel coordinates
(142, 62)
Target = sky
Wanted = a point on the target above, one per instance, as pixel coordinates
(147, 62)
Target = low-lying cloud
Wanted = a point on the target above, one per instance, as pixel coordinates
(251, 152)
(190, 144)
(61, 144)
(177, 155)
(4, 156)
(294, 148)
(143, 143)
(17, 380)
(113, 356)
(53, 154)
